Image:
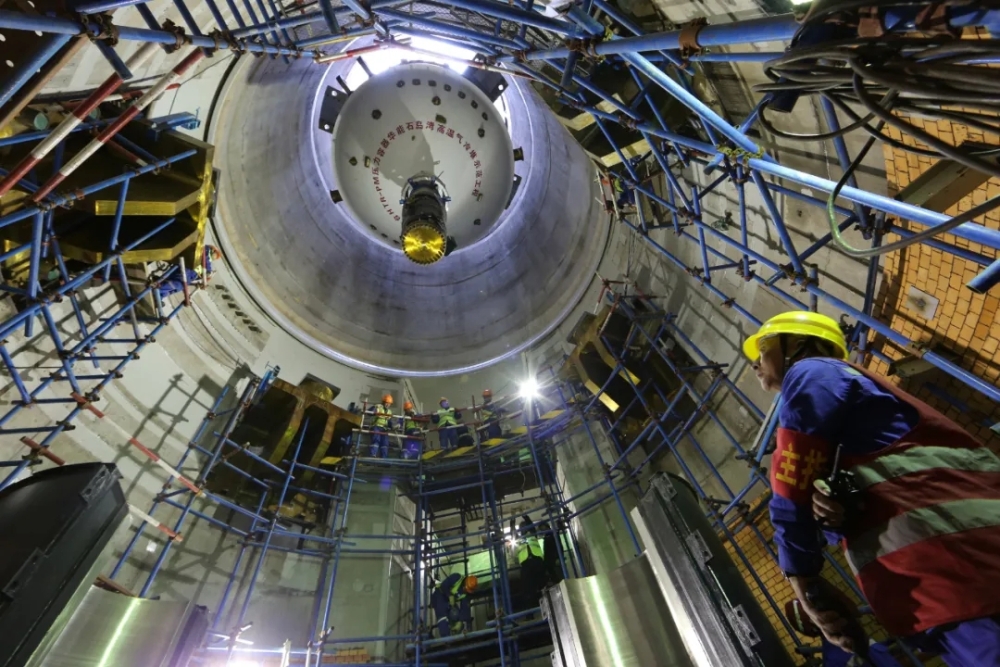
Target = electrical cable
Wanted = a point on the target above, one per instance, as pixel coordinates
(863, 253)
(896, 77)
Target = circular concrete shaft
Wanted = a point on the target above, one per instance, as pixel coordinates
(348, 296)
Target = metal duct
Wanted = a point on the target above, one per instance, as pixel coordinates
(613, 620)
(718, 617)
(113, 630)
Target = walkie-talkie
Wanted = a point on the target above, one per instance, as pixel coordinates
(841, 486)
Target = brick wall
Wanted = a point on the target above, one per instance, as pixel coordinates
(965, 326)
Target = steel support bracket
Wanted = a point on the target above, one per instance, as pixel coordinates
(743, 627)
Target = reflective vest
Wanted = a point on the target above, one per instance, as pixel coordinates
(409, 424)
(529, 547)
(446, 417)
(382, 415)
(926, 548)
(457, 592)
(487, 413)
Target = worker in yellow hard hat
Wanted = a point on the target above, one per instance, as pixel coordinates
(380, 427)
(913, 498)
(411, 427)
(450, 600)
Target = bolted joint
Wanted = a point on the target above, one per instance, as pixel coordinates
(628, 122)
(180, 39)
(220, 39)
(688, 37)
(100, 28)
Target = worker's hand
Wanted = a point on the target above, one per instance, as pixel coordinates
(835, 615)
(827, 511)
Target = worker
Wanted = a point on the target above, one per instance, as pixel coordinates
(490, 414)
(914, 499)
(175, 283)
(626, 196)
(531, 561)
(450, 600)
(380, 427)
(411, 444)
(447, 420)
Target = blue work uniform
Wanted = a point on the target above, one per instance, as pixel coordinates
(828, 401)
(175, 285)
(380, 431)
(411, 444)
(626, 196)
(451, 605)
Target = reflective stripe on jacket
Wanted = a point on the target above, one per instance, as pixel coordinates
(926, 547)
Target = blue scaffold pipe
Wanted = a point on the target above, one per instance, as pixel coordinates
(986, 280)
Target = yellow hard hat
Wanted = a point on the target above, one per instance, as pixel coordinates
(470, 583)
(387, 399)
(801, 323)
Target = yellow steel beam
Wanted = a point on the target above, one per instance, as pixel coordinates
(640, 147)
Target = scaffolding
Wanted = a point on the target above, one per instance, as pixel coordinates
(518, 40)
(469, 485)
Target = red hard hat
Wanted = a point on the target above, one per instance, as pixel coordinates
(387, 399)
(407, 405)
(487, 392)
